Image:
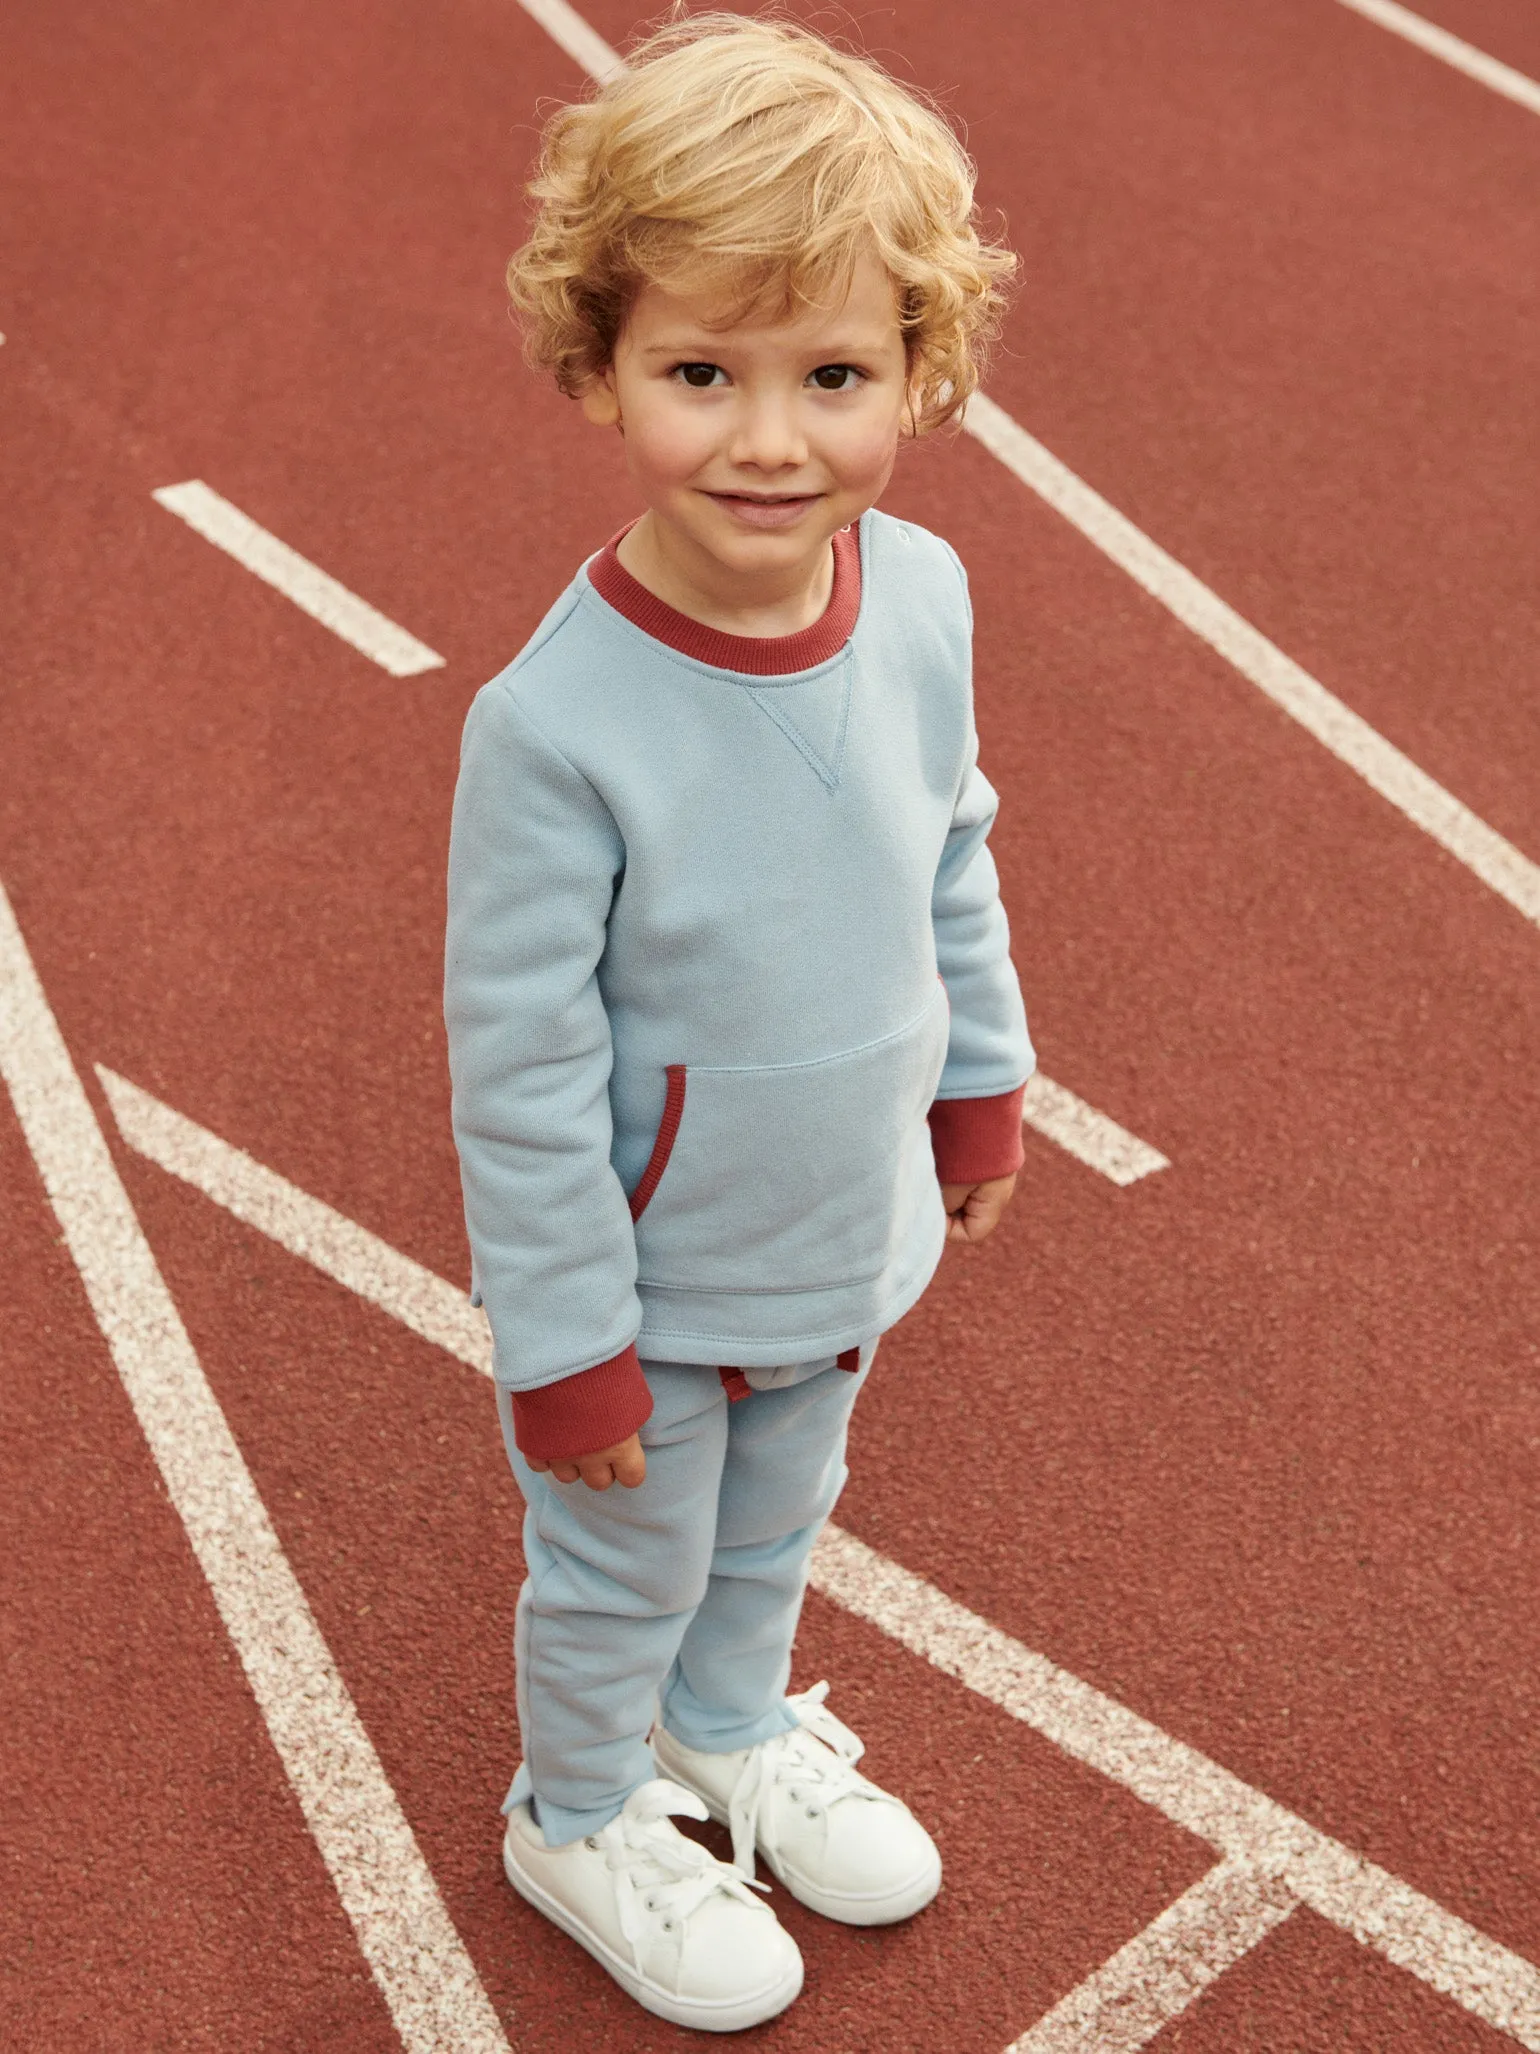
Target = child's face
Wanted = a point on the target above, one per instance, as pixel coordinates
(754, 442)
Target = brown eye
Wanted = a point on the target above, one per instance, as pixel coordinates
(834, 377)
(698, 374)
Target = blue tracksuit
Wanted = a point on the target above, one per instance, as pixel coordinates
(716, 942)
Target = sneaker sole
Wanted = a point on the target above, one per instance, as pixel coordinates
(889, 1909)
(724, 2016)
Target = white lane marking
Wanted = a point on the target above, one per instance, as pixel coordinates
(1462, 56)
(297, 578)
(1195, 1793)
(1375, 1907)
(585, 46)
(1349, 738)
(1088, 1135)
(335, 1244)
(1162, 1970)
(419, 1962)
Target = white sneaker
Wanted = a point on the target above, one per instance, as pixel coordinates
(674, 1926)
(840, 1844)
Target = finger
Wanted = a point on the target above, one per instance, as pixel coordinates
(565, 1472)
(598, 1475)
(631, 1467)
(538, 1464)
(974, 1221)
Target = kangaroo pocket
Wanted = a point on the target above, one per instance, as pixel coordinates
(797, 1177)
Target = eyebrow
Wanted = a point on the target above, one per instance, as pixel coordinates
(698, 350)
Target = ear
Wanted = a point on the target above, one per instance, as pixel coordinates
(599, 400)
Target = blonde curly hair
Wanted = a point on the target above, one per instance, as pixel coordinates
(752, 161)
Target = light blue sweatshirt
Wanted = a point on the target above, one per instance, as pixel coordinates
(704, 926)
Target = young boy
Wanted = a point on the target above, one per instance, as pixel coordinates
(735, 1037)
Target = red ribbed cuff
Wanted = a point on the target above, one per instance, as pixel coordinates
(976, 1139)
(597, 1408)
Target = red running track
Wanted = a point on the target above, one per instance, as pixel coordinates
(1250, 1445)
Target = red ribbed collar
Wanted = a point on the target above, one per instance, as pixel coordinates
(760, 656)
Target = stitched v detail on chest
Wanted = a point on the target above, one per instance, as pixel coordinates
(813, 717)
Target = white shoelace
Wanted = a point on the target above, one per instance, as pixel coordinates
(661, 1875)
(816, 1759)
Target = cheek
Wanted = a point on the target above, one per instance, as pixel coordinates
(666, 443)
(865, 449)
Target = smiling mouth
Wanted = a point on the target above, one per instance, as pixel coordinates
(765, 509)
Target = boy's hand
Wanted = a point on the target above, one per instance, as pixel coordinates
(624, 1463)
(973, 1210)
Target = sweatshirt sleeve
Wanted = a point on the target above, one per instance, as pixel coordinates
(989, 1054)
(534, 858)
(976, 1119)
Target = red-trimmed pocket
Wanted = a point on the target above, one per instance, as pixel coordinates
(803, 1176)
(663, 1147)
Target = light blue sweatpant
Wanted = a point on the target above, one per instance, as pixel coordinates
(678, 1598)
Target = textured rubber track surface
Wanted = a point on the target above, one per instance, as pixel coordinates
(1250, 1446)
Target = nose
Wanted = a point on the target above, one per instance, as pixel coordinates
(767, 435)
